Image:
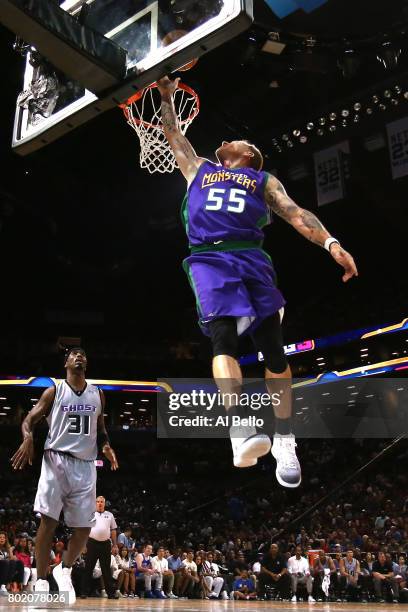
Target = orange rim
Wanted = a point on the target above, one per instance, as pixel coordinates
(125, 106)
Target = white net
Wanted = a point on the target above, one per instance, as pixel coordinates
(143, 114)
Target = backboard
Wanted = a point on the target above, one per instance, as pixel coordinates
(51, 103)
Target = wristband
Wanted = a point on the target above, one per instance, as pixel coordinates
(329, 242)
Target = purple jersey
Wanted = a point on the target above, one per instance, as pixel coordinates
(225, 205)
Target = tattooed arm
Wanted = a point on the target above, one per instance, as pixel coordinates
(306, 223)
(186, 157)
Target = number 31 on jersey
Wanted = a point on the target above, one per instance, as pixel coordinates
(234, 202)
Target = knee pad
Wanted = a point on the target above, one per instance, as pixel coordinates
(275, 360)
(268, 339)
(224, 336)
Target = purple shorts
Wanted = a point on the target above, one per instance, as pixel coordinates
(238, 283)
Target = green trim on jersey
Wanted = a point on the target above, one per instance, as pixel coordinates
(184, 213)
(228, 245)
(262, 221)
(187, 270)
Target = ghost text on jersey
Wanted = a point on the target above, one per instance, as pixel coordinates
(210, 178)
(78, 408)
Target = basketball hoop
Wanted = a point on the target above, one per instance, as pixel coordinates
(143, 113)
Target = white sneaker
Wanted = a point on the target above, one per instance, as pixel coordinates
(3, 591)
(248, 445)
(62, 577)
(104, 593)
(213, 595)
(310, 599)
(294, 599)
(224, 595)
(171, 595)
(41, 586)
(231, 595)
(288, 472)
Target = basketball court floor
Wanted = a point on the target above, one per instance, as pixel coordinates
(210, 606)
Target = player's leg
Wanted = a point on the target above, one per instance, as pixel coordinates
(278, 377)
(76, 544)
(79, 482)
(43, 545)
(48, 502)
(247, 444)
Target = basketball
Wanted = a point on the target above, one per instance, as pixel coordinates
(172, 37)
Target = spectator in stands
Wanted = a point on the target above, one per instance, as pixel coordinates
(11, 568)
(127, 578)
(299, 571)
(325, 575)
(255, 572)
(243, 587)
(125, 539)
(240, 563)
(381, 520)
(175, 563)
(190, 577)
(400, 572)
(212, 579)
(22, 553)
(274, 573)
(384, 578)
(144, 567)
(201, 587)
(366, 579)
(161, 566)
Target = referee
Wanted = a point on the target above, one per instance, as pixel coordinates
(99, 546)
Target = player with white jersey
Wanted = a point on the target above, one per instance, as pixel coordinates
(74, 412)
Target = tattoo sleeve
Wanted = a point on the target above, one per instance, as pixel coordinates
(183, 151)
(304, 221)
(168, 115)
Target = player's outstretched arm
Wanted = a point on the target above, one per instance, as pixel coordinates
(187, 159)
(103, 438)
(307, 224)
(25, 452)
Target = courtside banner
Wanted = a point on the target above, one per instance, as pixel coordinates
(364, 407)
(397, 132)
(329, 172)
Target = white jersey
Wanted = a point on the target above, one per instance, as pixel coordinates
(73, 421)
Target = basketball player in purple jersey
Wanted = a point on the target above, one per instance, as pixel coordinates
(74, 413)
(224, 211)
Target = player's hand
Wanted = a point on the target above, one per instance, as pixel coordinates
(166, 86)
(110, 454)
(24, 454)
(345, 260)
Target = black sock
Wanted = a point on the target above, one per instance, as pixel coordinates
(65, 565)
(283, 427)
(41, 577)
